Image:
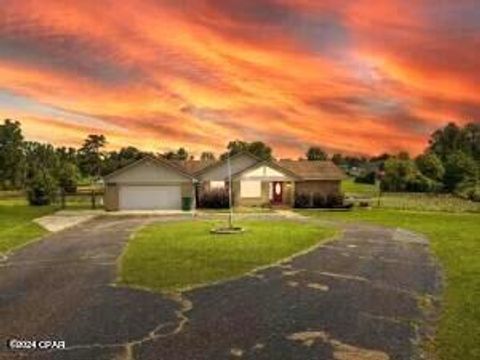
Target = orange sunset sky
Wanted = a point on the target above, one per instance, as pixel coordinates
(359, 76)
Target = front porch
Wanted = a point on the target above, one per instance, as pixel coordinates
(264, 185)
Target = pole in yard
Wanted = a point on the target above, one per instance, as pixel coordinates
(230, 217)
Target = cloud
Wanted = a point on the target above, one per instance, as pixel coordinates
(159, 74)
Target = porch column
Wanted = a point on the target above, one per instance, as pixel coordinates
(292, 193)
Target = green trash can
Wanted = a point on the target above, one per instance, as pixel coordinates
(186, 203)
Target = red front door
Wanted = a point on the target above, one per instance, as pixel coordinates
(277, 192)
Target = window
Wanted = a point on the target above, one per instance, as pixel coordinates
(217, 185)
(250, 189)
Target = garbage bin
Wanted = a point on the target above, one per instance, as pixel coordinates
(186, 203)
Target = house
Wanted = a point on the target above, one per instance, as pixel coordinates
(153, 183)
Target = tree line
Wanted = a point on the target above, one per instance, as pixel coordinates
(450, 163)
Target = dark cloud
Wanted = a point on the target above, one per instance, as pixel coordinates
(79, 55)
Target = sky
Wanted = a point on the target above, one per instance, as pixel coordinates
(352, 76)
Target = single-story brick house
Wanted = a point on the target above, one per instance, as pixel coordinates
(153, 183)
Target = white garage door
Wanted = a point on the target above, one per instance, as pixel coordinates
(150, 197)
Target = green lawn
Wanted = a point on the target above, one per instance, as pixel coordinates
(168, 256)
(16, 226)
(455, 240)
(351, 188)
(409, 201)
(426, 202)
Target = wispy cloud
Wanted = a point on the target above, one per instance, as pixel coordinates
(366, 76)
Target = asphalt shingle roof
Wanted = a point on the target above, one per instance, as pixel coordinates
(313, 170)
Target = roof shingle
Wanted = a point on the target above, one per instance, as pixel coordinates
(313, 170)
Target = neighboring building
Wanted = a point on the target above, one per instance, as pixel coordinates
(152, 183)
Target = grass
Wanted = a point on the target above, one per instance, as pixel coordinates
(409, 201)
(351, 188)
(16, 225)
(426, 202)
(172, 256)
(455, 240)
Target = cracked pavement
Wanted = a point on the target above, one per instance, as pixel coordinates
(361, 296)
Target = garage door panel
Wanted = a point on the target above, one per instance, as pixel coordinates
(150, 197)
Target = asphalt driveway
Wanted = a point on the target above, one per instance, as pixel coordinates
(367, 295)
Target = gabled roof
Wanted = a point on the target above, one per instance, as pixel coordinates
(221, 162)
(193, 166)
(297, 169)
(269, 163)
(156, 161)
(313, 170)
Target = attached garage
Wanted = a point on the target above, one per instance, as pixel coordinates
(144, 197)
(148, 184)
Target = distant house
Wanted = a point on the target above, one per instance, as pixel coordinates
(153, 183)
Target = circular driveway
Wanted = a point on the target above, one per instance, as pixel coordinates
(366, 295)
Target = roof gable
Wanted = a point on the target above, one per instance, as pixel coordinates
(147, 170)
(219, 170)
(267, 170)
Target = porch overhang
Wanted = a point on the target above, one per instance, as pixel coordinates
(265, 172)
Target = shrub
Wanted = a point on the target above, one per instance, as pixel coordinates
(319, 200)
(469, 189)
(368, 178)
(334, 200)
(421, 183)
(68, 177)
(459, 167)
(214, 199)
(41, 189)
(431, 166)
(302, 201)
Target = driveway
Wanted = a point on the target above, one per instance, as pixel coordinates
(369, 294)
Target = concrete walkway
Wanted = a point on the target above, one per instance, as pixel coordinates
(367, 295)
(62, 220)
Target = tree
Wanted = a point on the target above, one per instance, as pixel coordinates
(67, 177)
(398, 173)
(180, 154)
(316, 153)
(256, 148)
(207, 156)
(260, 150)
(67, 154)
(445, 141)
(41, 175)
(12, 159)
(471, 140)
(431, 166)
(91, 156)
(459, 167)
(337, 159)
(41, 188)
(117, 159)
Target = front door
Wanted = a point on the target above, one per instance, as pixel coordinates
(277, 192)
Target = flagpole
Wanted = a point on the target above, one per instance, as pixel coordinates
(230, 217)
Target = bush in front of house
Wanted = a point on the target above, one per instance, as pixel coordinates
(320, 201)
(302, 201)
(334, 200)
(214, 199)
